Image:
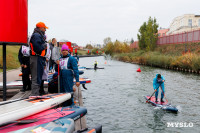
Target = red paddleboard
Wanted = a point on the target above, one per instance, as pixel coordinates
(42, 117)
(153, 100)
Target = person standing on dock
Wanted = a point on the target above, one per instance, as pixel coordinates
(24, 59)
(46, 70)
(68, 71)
(158, 81)
(76, 57)
(51, 61)
(37, 58)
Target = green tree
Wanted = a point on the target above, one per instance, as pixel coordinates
(148, 35)
(89, 46)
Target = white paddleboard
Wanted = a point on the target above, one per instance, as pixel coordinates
(26, 107)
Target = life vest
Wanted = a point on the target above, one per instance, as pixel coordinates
(63, 63)
(43, 53)
(25, 50)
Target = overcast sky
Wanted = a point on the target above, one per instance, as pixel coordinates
(90, 21)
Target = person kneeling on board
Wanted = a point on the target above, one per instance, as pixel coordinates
(24, 59)
(158, 81)
(68, 70)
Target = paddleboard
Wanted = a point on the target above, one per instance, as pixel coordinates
(62, 113)
(15, 110)
(17, 84)
(97, 129)
(95, 69)
(163, 105)
(58, 126)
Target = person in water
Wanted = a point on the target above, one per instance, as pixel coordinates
(68, 71)
(158, 81)
(95, 64)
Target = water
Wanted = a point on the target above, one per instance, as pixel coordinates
(115, 98)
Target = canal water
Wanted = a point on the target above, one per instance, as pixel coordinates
(115, 98)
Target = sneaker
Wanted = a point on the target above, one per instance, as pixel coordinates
(162, 101)
(156, 100)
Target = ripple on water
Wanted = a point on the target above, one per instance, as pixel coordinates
(115, 98)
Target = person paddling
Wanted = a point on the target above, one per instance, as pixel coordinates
(158, 81)
(95, 64)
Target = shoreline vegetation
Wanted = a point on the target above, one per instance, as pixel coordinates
(183, 57)
(180, 57)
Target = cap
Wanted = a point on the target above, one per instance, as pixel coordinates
(41, 24)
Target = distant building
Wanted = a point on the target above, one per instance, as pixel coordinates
(162, 32)
(184, 23)
(97, 46)
(134, 45)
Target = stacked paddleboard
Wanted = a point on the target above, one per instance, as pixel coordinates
(11, 111)
(19, 84)
(60, 120)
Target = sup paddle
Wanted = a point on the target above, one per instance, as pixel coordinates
(20, 122)
(164, 94)
(152, 95)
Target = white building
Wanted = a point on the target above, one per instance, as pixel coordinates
(184, 23)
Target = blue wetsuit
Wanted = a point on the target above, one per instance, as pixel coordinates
(157, 84)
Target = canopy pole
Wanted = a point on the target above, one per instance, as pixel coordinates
(4, 72)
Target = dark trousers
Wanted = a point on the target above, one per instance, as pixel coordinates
(26, 79)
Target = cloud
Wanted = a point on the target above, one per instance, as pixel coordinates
(85, 21)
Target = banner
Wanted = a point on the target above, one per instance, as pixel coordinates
(13, 21)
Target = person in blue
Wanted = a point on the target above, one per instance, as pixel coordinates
(68, 71)
(76, 57)
(158, 81)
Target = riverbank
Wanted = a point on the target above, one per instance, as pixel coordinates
(167, 56)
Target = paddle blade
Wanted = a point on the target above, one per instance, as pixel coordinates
(26, 121)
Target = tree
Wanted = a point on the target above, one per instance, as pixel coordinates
(148, 35)
(107, 40)
(132, 41)
(89, 46)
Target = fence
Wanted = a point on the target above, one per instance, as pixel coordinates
(186, 37)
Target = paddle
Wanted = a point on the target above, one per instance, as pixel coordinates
(20, 122)
(164, 94)
(151, 95)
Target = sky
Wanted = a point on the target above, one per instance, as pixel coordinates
(91, 21)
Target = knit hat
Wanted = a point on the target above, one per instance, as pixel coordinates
(65, 47)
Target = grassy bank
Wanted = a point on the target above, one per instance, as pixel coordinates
(167, 56)
(11, 57)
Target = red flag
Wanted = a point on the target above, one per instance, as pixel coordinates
(75, 50)
(14, 21)
(71, 50)
(97, 52)
(88, 51)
